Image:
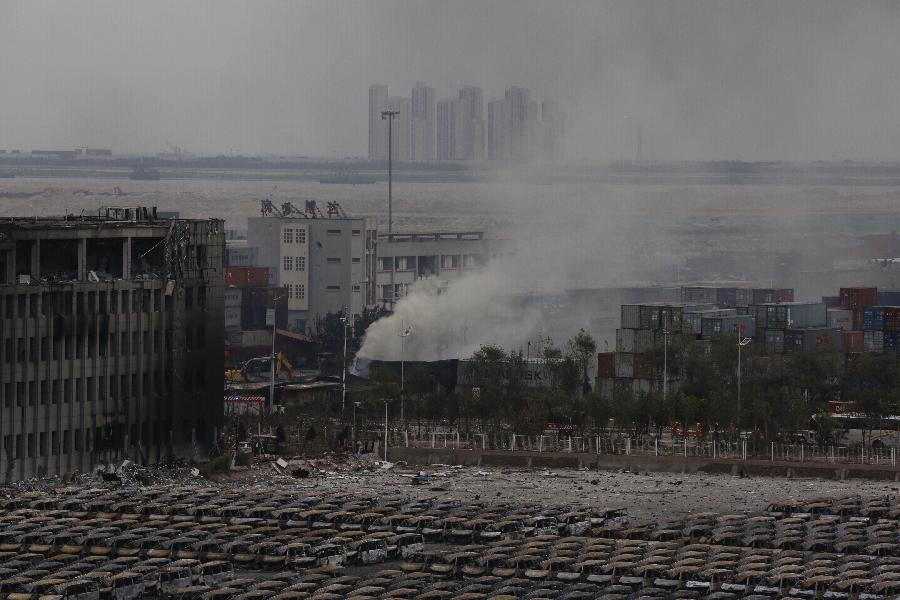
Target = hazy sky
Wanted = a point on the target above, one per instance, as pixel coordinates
(717, 79)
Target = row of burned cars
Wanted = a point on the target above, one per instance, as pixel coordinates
(264, 542)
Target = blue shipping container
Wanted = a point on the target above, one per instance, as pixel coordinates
(892, 341)
(873, 318)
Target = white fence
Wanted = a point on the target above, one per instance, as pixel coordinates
(647, 446)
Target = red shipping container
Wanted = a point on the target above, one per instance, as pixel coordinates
(858, 319)
(857, 298)
(606, 364)
(242, 277)
(852, 342)
(642, 367)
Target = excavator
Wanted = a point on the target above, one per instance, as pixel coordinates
(260, 369)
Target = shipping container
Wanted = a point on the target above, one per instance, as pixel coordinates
(631, 316)
(728, 326)
(606, 386)
(232, 297)
(858, 318)
(852, 342)
(771, 295)
(606, 364)
(831, 301)
(873, 341)
(243, 338)
(858, 297)
(743, 297)
(243, 277)
(888, 298)
(643, 368)
(839, 318)
(625, 340)
(873, 318)
(892, 318)
(232, 316)
(701, 295)
(624, 365)
(641, 386)
(774, 341)
(789, 315)
(623, 384)
(892, 341)
(692, 320)
(813, 339)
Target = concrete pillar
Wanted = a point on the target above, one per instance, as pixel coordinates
(82, 259)
(35, 260)
(10, 275)
(126, 258)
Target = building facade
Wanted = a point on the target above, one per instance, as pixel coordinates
(445, 255)
(326, 263)
(111, 344)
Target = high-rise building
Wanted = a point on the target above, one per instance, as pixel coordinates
(400, 135)
(422, 139)
(446, 128)
(519, 125)
(111, 340)
(378, 101)
(498, 130)
(470, 145)
(553, 129)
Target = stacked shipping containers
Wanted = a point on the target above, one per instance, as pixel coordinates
(247, 297)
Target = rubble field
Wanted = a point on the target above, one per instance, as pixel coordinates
(357, 527)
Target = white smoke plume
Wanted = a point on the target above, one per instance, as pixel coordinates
(454, 321)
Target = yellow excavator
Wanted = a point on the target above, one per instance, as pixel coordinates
(260, 369)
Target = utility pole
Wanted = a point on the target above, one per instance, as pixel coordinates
(741, 343)
(665, 364)
(345, 320)
(403, 335)
(390, 115)
(385, 429)
(272, 379)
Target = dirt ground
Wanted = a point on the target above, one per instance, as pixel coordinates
(644, 496)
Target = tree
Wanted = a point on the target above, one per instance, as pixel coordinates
(583, 350)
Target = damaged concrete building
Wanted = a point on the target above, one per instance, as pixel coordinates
(111, 341)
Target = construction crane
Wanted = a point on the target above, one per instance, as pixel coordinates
(258, 369)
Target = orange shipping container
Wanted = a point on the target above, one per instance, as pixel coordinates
(243, 277)
(857, 298)
(606, 364)
(852, 342)
(642, 367)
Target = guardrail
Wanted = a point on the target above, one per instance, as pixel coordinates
(742, 449)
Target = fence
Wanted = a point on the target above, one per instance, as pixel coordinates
(742, 449)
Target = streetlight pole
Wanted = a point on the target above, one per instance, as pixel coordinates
(665, 364)
(403, 335)
(390, 115)
(346, 322)
(353, 432)
(272, 373)
(741, 343)
(385, 429)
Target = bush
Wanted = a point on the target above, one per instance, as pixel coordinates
(217, 466)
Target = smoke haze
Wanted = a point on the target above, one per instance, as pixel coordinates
(705, 79)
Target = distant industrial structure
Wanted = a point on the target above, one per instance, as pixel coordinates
(110, 340)
(517, 127)
(441, 255)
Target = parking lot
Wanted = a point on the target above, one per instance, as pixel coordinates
(373, 534)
